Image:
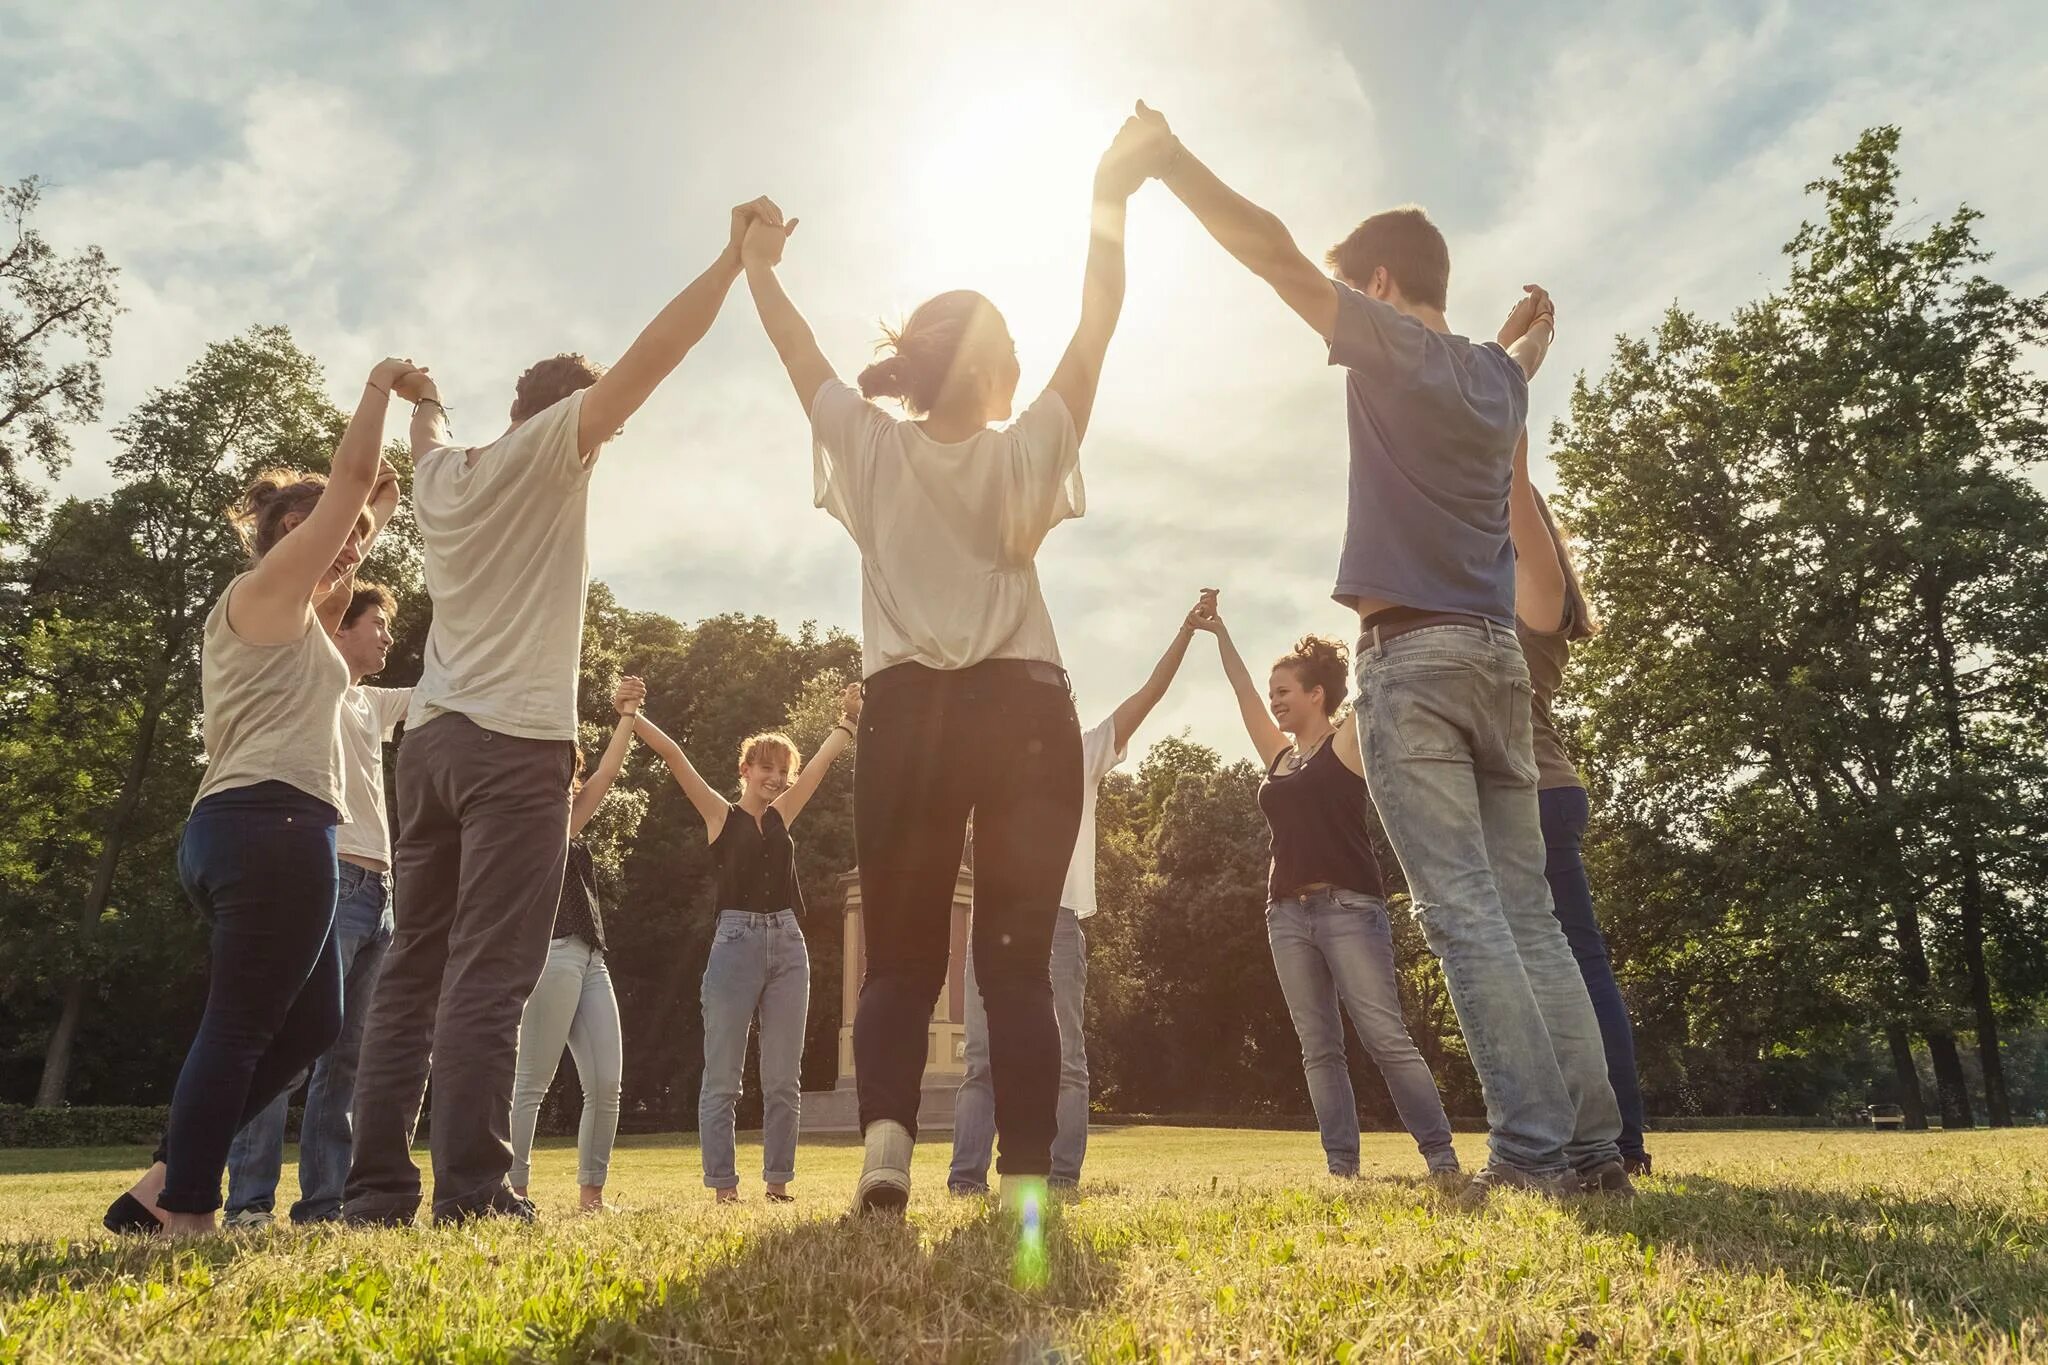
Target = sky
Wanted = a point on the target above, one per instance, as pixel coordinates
(477, 185)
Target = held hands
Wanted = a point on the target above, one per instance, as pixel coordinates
(391, 372)
(1142, 149)
(759, 232)
(849, 705)
(1204, 615)
(1532, 308)
(627, 697)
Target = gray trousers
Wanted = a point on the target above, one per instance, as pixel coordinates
(483, 824)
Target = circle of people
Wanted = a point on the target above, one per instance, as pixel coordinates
(494, 960)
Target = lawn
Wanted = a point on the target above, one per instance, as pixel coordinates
(1189, 1244)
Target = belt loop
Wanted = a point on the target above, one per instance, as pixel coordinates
(1378, 648)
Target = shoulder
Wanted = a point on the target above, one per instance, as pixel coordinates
(837, 405)
(1047, 419)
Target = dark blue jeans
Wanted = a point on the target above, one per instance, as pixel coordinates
(259, 863)
(1564, 826)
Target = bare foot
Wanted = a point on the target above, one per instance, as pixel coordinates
(519, 1190)
(728, 1196)
(145, 1191)
(778, 1193)
(190, 1224)
(589, 1198)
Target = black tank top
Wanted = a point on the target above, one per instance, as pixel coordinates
(756, 864)
(577, 913)
(1317, 816)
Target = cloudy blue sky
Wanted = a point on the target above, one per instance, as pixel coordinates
(479, 184)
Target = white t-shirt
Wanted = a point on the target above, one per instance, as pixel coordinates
(368, 716)
(947, 532)
(506, 567)
(1099, 755)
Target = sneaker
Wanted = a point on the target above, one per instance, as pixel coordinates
(1636, 1165)
(1499, 1177)
(962, 1190)
(1448, 1180)
(1608, 1178)
(885, 1175)
(246, 1220)
(502, 1204)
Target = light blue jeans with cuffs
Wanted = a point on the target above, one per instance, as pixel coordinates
(759, 967)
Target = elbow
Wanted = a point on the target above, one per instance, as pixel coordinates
(1272, 246)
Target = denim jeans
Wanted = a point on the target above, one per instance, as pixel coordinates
(974, 1105)
(1446, 716)
(1331, 946)
(362, 931)
(572, 1005)
(759, 966)
(1564, 826)
(259, 863)
(998, 742)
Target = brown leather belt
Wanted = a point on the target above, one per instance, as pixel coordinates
(1394, 622)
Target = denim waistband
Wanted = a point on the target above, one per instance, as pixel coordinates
(759, 917)
(355, 874)
(1464, 633)
(1331, 894)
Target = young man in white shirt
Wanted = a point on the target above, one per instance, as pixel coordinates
(484, 773)
(362, 932)
(974, 1107)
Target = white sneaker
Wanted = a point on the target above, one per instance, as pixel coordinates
(885, 1176)
(245, 1220)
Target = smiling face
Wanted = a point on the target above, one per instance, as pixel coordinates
(365, 642)
(1292, 705)
(768, 763)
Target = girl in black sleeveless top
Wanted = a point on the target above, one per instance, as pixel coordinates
(759, 968)
(1326, 913)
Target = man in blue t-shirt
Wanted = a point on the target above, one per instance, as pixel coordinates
(1443, 689)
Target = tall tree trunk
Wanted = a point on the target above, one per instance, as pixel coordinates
(1996, 1104)
(1910, 1098)
(1949, 1080)
(1951, 1086)
(57, 1056)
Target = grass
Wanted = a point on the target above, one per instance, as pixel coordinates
(1190, 1244)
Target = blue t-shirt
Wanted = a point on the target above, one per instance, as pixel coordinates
(1434, 419)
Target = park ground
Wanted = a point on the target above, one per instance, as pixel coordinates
(1188, 1244)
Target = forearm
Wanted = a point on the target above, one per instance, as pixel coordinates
(354, 466)
(429, 426)
(787, 330)
(1102, 284)
(615, 752)
(1255, 236)
(689, 315)
(1533, 346)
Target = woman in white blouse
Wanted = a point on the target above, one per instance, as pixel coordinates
(968, 710)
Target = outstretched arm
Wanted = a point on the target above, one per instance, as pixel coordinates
(1134, 154)
(1539, 574)
(592, 793)
(711, 807)
(791, 336)
(1267, 738)
(660, 347)
(1530, 328)
(1259, 240)
(429, 426)
(792, 802)
(1128, 716)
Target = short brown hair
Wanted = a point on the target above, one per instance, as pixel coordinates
(272, 496)
(1319, 661)
(1408, 245)
(365, 597)
(548, 382)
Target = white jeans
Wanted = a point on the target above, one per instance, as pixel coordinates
(571, 1004)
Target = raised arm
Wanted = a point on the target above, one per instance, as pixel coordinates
(1131, 713)
(1256, 237)
(1530, 328)
(661, 345)
(794, 342)
(1539, 574)
(271, 605)
(1267, 738)
(792, 802)
(1136, 152)
(591, 794)
(429, 426)
(711, 807)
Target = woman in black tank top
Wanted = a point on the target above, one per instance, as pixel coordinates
(1326, 913)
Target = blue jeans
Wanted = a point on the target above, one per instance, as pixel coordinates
(1564, 826)
(758, 965)
(362, 931)
(974, 1105)
(1446, 732)
(259, 863)
(1331, 946)
(573, 1005)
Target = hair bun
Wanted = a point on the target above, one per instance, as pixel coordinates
(883, 379)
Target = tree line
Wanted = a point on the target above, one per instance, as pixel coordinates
(1813, 726)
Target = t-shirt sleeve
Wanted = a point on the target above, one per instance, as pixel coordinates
(390, 704)
(545, 446)
(1099, 754)
(846, 430)
(1374, 337)
(1044, 474)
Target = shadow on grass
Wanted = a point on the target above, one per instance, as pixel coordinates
(866, 1289)
(1957, 1264)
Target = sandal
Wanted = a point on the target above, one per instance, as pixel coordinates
(129, 1216)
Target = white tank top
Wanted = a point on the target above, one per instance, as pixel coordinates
(273, 712)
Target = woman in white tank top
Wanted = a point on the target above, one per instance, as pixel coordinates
(258, 854)
(968, 710)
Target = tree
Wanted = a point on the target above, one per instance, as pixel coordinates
(1825, 577)
(51, 301)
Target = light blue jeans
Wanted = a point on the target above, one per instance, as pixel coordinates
(974, 1104)
(1446, 732)
(758, 967)
(573, 1005)
(362, 933)
(1332, 946)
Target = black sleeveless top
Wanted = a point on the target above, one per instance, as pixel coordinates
(577, 913)
(756, 864)
(1317, 816)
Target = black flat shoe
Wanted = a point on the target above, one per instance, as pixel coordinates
(774, 1198)
(129, 1216)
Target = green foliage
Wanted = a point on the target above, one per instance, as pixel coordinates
(106, 1125)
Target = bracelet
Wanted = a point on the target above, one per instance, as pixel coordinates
(842, 725)
(435, 401)
(373, 384)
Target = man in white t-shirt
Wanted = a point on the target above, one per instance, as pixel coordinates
(974, 1106)
(362, 933)
(483, 775)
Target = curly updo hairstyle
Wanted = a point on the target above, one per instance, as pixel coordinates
(274, 495)
(1319, 661)
(925, 349)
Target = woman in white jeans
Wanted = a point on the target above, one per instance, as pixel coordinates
(759, 967)
(573, 1003)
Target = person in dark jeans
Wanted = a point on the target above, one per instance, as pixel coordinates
(968, 711)
(362, 931)
(258, 853)
(484, 772)
(1551, 614)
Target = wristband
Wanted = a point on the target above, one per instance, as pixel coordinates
(842, 725)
